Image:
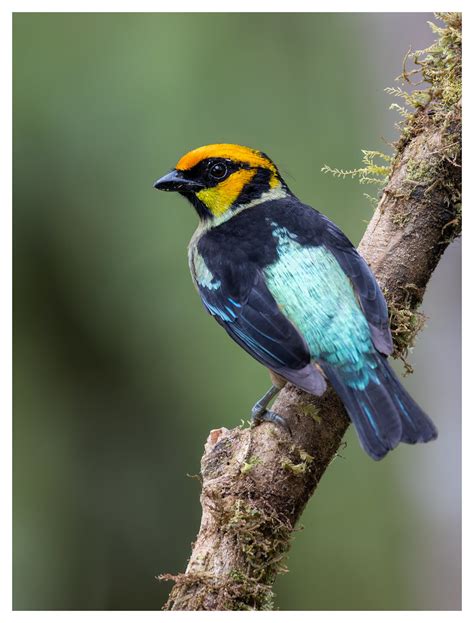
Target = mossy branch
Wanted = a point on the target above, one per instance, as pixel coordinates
(256, 482)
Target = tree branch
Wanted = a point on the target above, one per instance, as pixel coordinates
(256, 482)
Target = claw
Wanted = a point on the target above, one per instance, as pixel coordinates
(270, 416)
(260, 413)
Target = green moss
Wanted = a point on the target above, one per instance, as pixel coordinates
(405, 324)
(237, 575)
(400, 219)
(441, 62)
(247, 593)
(420, 171)
(298, 468)
(307, 458)
(372, 172)
(438, 67)
(249, 465)
(312, 411)
(263, 540)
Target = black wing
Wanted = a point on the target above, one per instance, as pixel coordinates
(244, 306)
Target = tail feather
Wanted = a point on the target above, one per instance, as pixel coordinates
(417, 427)
(383, 413)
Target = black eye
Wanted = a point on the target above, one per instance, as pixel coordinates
(218, 171)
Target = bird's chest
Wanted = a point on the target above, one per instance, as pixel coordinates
(200, 271)
(200, 262)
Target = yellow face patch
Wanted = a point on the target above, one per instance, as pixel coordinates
(237, 153)
(219, 198)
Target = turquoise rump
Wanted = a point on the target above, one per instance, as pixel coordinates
(314, 293)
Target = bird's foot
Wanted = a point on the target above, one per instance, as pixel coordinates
(259, 416)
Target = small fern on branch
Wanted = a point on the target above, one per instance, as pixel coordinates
(371, 173)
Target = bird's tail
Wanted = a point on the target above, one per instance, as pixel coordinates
(383, 412)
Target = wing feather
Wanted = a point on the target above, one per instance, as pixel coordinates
(253, 319)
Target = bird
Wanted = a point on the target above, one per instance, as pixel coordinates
(289, 287)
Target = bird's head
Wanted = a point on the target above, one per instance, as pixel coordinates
(219, 179)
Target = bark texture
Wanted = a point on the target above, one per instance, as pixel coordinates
(256, 482)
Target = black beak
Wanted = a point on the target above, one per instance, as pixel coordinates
(176, 181)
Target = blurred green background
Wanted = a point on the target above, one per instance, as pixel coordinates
(119, 374)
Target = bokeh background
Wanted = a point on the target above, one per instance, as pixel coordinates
(119, 374)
